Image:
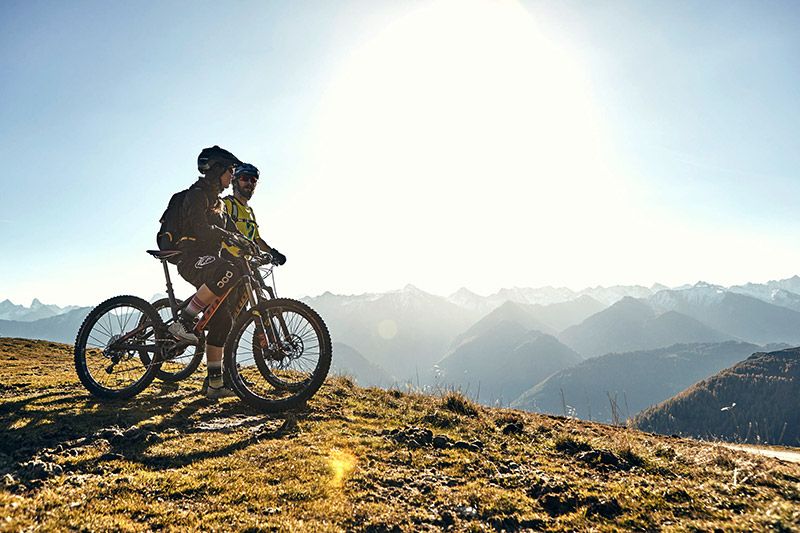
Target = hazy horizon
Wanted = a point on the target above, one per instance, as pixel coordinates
(447, 143)
(145, 295)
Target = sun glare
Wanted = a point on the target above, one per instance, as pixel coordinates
(460, 123)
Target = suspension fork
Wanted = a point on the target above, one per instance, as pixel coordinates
(267, 325)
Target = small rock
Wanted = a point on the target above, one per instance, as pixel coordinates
(9, 481)
(558, 504)
(467, 512)
(80, 441)
(513, 428)
(130, 435)
(38, 469)
(600, 457)
(447, 519)
(272, 510)
(441, 442)
(606, 508)
(109, 433)
(462, 445)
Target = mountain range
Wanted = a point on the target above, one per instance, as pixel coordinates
(404, 331)
(58, 328)
(410, 334)
(36, 311)
(632, 324)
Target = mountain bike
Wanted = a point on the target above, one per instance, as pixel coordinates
(276, 357)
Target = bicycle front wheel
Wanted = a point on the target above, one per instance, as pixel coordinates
(108, 345)
(278, 355)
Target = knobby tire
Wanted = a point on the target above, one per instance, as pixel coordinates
(88, 327)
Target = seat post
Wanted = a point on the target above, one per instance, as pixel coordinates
(170, 293)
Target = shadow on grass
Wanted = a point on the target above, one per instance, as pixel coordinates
(35, 423)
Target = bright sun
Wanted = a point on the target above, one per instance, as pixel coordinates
(461, 123)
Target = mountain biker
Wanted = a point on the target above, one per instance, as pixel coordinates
(245, 178)
(204, 226)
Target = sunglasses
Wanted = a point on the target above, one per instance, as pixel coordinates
(251, 179)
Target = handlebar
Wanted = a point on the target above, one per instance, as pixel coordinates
(257, 257)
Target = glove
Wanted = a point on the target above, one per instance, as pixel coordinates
(277, 257)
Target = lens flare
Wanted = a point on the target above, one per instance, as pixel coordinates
(341, 464)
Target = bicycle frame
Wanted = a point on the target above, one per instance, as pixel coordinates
(256, 290)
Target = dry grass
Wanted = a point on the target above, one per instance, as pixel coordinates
(334, 466)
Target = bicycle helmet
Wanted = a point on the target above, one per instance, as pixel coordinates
(215, 156)
(245, 169)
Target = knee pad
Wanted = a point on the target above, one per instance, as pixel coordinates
(223, 276)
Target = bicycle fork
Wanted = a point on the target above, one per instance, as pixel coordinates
(266, 327)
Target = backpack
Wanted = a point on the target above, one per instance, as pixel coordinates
(170, 233)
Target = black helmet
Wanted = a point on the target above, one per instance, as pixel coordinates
(215, 155)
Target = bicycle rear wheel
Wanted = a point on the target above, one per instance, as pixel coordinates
(278, 355)
(180, 361)
(105, 360)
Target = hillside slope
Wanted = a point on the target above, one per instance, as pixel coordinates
(354, 460)
(350, 362)
(753, 401)
(636, 379)
(502, 362)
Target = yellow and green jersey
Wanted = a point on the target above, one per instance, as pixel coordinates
(244, 218)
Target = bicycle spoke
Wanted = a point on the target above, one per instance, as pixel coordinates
(104, 330)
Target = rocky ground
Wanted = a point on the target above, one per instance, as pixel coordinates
(354, 459)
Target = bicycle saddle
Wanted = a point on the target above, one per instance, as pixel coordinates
(164, 254)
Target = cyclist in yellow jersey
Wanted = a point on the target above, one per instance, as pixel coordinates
(245, 177)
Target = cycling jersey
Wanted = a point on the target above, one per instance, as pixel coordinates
(243, 216)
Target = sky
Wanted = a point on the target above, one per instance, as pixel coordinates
(443, 143)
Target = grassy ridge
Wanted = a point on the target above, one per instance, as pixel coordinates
(355, 459)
